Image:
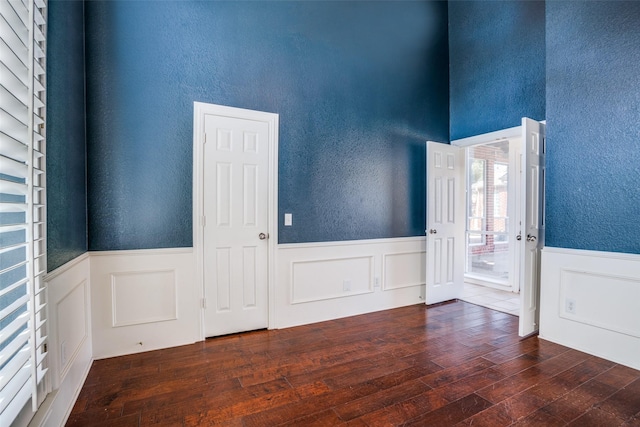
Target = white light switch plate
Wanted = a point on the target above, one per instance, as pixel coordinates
(288, 219)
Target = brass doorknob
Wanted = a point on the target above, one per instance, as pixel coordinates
(433, 231)
(263, 236)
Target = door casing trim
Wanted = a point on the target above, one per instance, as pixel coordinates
(200, 109)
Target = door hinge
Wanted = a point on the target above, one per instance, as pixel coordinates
(46, 347)
(203, 220)
(204, 303)
(204, 138)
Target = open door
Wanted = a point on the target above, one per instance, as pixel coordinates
(445, 222)
(532, 223)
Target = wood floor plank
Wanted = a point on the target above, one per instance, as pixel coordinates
(449, 364)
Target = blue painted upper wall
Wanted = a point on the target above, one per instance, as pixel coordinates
(497, 65)
(593, 126)
(66, 156)
(359, 87)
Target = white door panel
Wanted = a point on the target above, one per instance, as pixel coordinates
(235, 258)
(532, 188)
(445, 222)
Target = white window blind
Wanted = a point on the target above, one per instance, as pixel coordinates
(22, 207)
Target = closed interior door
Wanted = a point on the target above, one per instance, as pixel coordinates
(235, 204)
(445, 222)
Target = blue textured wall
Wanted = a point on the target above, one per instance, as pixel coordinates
(497, 65)
(359, 87)
(593, 130)
(66, 159)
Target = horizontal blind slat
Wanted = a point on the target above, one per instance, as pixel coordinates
(38, 70)
(14, 246)
(10, 102)
(37, 51)
(11, 15)
(13, 168)
(10, 147)
(14, 41)
(13, 188)
(9, 228)
(14, 62)
(42, 372)
(13, 207)
(37, 17)
(41, 356)
(15, 285)
(11, 368)
(12, 83)
(38, 34)
(14, 346)
(37, 102)
(10, 309)
(22, 11)
(17, 324)
(18, 386)
(37, 86)
(12, 127)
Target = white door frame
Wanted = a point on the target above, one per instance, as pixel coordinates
(200, 109)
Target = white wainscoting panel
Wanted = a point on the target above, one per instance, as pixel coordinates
(143, 300)
(399, 270)
(143, 297)
(72, 324)
(340, 277)
(70, 339)
(589, 301)
(324, 281)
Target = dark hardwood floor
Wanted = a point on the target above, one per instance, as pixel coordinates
(453, 364)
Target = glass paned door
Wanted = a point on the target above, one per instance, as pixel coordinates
(488, 204)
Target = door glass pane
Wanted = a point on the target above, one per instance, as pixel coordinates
(500, 201)
(476, 201)
(487, 215)
(490, 259)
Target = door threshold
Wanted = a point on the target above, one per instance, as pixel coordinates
(236, 333)
(494, 299)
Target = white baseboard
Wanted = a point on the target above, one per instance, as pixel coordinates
(589, 301)
(324, 281)
(143, 300)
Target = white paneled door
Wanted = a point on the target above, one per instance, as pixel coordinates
(445, 222)
(235, 222)
(532, 200)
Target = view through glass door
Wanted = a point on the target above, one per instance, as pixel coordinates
(491, 215)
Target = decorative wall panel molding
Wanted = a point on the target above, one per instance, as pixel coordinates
(607, 301)
(329, 280)
(72, 326)
(143, 300)
(143, 297)
(399, 270)
(340, 277)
